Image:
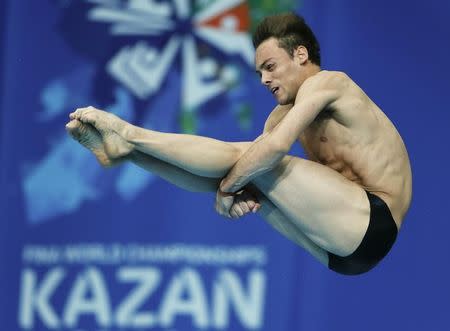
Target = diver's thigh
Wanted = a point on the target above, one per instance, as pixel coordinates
(272, 215)
(327, 207)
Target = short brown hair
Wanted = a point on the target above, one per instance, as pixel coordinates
(291, 31)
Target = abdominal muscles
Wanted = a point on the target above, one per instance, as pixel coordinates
(360, 159)
(376, 161)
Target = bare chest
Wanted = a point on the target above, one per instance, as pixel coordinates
(330, 143)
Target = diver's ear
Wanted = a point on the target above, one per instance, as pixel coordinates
(301, 54)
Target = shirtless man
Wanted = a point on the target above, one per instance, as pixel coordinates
(344, 205)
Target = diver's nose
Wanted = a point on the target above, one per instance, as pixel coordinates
(265, 79)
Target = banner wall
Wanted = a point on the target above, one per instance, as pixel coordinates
(89, 248)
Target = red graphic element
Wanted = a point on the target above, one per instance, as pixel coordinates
(239, 13)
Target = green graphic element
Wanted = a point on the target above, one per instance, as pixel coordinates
(244, 115)
(188, 122)
(258, 9)
(262, 8)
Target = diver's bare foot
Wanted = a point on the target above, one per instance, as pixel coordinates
(111, 128)
(90, 138)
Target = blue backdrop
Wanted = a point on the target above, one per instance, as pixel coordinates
(84, 248)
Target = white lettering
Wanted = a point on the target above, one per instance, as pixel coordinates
(36, 298)
(147, 280)
(185, 295)
(228, 290)
(78, 303)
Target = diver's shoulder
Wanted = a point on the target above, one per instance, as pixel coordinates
(333, 77)
(279, 112)
(324, 81)
(276, 116)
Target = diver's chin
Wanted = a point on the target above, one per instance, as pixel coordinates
(283, 101)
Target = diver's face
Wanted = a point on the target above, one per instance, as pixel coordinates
(279, 72)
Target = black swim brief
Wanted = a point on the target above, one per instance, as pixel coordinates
(378, 240)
